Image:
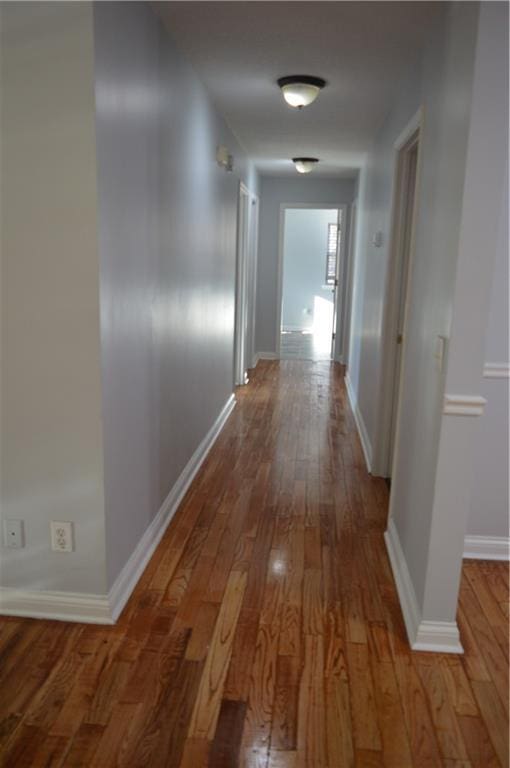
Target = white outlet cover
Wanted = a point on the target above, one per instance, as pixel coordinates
(61, 536)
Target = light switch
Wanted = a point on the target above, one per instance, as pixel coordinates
(377, 239)
(440, 352)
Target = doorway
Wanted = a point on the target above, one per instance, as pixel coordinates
(397, 301)
(311, 265)
(246, 278)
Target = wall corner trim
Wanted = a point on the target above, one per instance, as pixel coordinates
(496, 370)
(487, 548)
(105, 609)
(360, 424)
(464, 405)
(438, 636)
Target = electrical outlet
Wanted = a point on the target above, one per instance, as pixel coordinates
(14, 534)
(61, 536)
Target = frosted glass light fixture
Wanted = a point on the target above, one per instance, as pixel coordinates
(300, 90)
(304, 164)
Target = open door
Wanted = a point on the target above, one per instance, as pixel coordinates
(245, 285)
(334, 270)
(409, 168)
(397, 299)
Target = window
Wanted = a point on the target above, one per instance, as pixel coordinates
(331, 254)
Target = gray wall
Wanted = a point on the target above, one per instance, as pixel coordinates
(167, 247)
(490, 504)
(273, 192)
(118, 269)
(446, 95)
(428, 529)
(443, 87)
(375, 190)
(483, 200)
(51, 443)
(304, 264)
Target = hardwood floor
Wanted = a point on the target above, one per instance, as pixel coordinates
(297, 345)
(266, 631)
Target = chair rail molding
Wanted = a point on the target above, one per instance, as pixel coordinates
(496, 370)
(464, 405)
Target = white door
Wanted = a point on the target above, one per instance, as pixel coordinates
(252, 280)
(337, 287)
(241, 312)
(409, 192)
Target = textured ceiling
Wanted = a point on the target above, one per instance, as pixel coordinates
(362, 49)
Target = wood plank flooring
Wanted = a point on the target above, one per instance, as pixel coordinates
(266, 631)
(299, 345)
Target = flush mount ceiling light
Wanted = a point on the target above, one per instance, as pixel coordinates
(304, 164)
(300, 90)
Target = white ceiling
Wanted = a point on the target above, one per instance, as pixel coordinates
(362, 49)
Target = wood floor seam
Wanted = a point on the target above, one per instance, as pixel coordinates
(266, 630)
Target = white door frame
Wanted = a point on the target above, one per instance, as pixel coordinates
(245, 284)
(382, 458)
(253, 248)
(346, 329)
(279, 283)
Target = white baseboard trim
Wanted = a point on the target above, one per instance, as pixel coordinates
(128, 577)
(105, 609)
(405, 589)
(438, 636)
(487, 547)
(62, 606)
(360, 424)
(265, 356)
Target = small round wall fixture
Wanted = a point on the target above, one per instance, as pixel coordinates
(305, 164)
(300, 90)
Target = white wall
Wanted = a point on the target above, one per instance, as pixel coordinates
(273, 192)
(483, 202)
(443, 87)
(167, 247)
(52, 463)
(375, 189)
(489, 503)
(432, 460)
(446, 95)
(128, 157)
(304, 265)
(118, 272)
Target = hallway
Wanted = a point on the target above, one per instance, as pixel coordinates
(266, 630)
